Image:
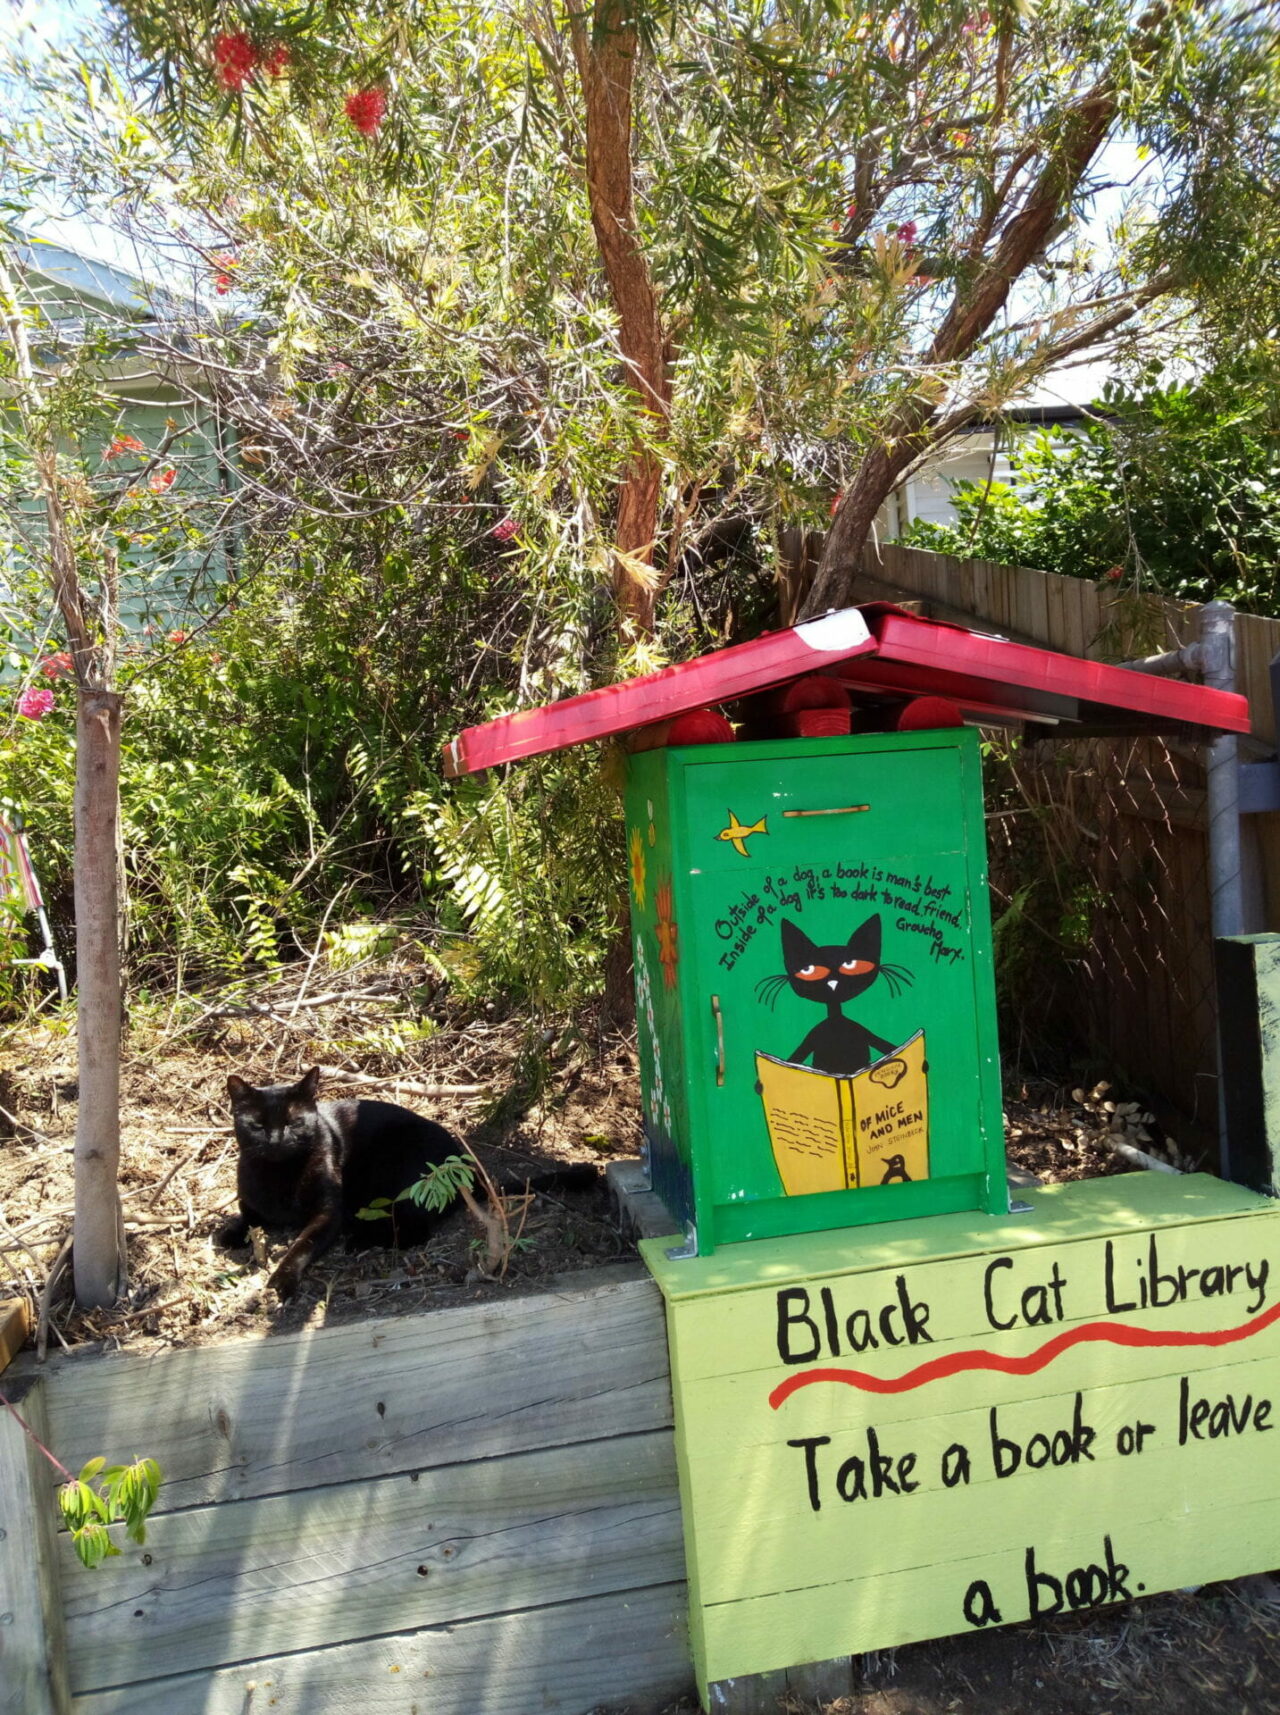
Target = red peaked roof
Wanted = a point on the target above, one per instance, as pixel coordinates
(878, 649)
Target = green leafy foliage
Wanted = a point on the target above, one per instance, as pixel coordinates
(104, 1495)
(1175, 489)
(438, 1187)
(441, 1184)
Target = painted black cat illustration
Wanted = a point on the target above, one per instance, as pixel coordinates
(831, 977)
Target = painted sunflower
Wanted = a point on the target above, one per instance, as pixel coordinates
(639, 867)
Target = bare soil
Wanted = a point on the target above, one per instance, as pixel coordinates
(178, 1159)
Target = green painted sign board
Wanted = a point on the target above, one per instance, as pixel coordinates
(944, 1425)
(816, 1007)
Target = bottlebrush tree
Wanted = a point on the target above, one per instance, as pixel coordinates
(818, 240)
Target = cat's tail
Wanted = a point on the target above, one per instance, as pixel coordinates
(575, 1176)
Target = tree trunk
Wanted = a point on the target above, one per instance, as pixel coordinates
(606, 48)
(99, 1232)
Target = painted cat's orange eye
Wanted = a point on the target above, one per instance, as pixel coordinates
(813, 973)
(857, 968)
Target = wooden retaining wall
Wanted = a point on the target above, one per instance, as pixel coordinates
(461, 1512)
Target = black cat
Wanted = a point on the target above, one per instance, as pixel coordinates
(832, 976)
(313, 1165)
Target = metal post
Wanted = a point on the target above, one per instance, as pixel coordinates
(1226, 880)
(1218, 665)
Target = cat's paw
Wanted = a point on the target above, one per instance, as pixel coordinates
(284, 1282)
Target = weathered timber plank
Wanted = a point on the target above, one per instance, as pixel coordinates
(822, 1680)
(748, 1694)
(33, 1679)
(629, 1648)
(15, 1325)
(331, 1565)
(331, 1405)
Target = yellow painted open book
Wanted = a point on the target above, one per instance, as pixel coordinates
(834, 1131)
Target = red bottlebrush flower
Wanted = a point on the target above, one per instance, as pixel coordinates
(1114, 575)
(35, 702)
(906, 233)
(179, 636)
(835, 502)
(163, 479)
(365, 108)
(505, 531)
(851, 211)
(234, 57)
(53, 666)
(222, 284)
(122, 444)
(277, 60)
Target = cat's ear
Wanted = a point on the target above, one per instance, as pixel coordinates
(309, 1084)
(864, 943)
(797, 949)
(237, 1089)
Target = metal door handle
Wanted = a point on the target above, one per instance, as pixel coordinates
(841, 810)
(719, 1018)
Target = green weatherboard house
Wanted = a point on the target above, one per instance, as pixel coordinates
(902, 1409)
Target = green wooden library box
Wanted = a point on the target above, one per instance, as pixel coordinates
(811, 931)
(816, 1010)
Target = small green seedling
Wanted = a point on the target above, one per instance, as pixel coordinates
(455, 1178)
(103, 1495)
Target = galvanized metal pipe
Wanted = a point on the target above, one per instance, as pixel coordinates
(1222, 763)
(1226, 880)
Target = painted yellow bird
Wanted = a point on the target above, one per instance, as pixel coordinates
(737, 834)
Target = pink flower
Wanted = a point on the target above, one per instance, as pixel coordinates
(163, 479)
(234, 57)
(365, 108)
(53, 666)
(35, 702)
(505, 531)
(906, 233)
(123, 444)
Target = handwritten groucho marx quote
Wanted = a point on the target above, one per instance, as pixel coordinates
(1147, 1355)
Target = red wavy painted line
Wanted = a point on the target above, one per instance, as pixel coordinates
(954, 1363)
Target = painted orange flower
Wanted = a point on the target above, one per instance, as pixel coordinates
(639, 868)
(668, 949)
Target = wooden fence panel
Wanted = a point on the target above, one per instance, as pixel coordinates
(1149, 971)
